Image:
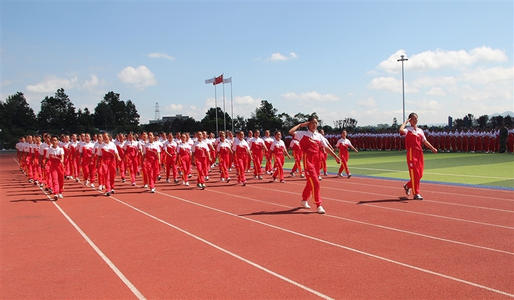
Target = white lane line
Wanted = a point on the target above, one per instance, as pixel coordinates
(371, 224)
(434, 173)
(433, 201)
(432, 191)
(335, 245)
(111, 265)
(297, 284)
(395, 209)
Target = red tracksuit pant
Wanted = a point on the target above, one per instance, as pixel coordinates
(224, 163)
(279, 166)
(185, 165)
(257, 161)
(108, 171)
(171, 166)
(344, 156)
(132, 165)
(297, 162)
(56, 172)
(151, 169)
(415, 164)
(312, 186)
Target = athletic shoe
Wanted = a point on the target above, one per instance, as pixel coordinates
(56, 197)
(274, 179)
(159, 178)
(340, 174)
(202, 186)
(199, 185)
(189, 175)
(320, 179)
(282, 181)
(187, 183)
(222, 179)
(207, 178)
(321, 210)
(302, 175)
(92, 185)
(61, 196)
(407, 189)
(133, 184)
(305, 204)
(256, 177)
(349, 175)
(145, 186)
(244, 183)
(87, 182)
(176, 181)
(152, 190)
(168, 180)
(123, 180)
(77, 180)
(107, 194)
(228, 180)
(260, 177)
(418, 197)
(112, 191)
(324, 173)
(292, 174)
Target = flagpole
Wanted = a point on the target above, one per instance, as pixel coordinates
(232, 106)
(216, 108)
(224, 118)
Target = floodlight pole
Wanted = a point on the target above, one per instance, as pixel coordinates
(402, 59)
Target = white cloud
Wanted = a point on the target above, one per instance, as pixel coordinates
(390, 84)
(368, 103)
(491, 75)
(438, 59)
(248, 100)
(277, 56)
(435, 91)
(92, 82)
(311, 96)
(139, 77)
(50, 85)
(175, 107)
(161, 55)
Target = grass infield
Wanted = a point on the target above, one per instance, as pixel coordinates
(486, 169)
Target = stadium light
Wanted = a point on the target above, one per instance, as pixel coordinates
(402, 59)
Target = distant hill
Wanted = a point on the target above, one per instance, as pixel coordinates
(504, 114)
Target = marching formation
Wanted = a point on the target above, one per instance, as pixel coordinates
(96, 160)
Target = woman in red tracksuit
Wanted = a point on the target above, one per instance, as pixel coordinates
(151, 160)
(278, 148)
(170, 149)
(74, 157)
(87, 160)
(132, 150)
(312, 143)
(268, 140)
(184, 158)
(414, 138)
(297, 154)
(109, 158)
(120, 140)
(201, 157)
(55, 159)
(224, 150)
(343, 144)
(258, 148)
(242, 154)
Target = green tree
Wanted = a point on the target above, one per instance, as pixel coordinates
(349, 123)
(482, 121)
(57, 113)
(209, 121)
(113, 114)
(85, 121)
(16, 119)
(266, 117)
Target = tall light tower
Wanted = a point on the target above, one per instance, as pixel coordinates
(402, 59)
(157, 115)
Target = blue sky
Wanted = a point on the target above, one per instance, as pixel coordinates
(337, 58)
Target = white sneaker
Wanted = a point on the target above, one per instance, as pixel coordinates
(320, 179)
(92, 185)
(222, 179)
(153, 190)
(321, 210)
(60, 196)
(187, 183)
(305, 204)
(145, 186)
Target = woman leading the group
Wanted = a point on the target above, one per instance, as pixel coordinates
(414, 138)
(312, 144)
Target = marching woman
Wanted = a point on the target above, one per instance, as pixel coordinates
(224, 150)
(201, 157)
(170, 149)
(120, 140)
(19, 151)
(43, 150)
(55, 160)
(65, 145)
(132, 150)
(258, 148)
(109, 157)
(36, 165)
(74, 157)
(98, 162)
(268, 140)
(278, 148)
(230, 139)
(297, 154)
(242, 152)
(151, 160)
(87, 160)
(312, 143)
(414, 138)
(343, 144)
(324, 154)
(184, 158)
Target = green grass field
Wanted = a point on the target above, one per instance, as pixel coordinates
(491, 169)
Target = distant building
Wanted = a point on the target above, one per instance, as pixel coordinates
(168, 119)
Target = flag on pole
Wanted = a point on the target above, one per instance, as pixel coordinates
(218, 79)
(210, 80)
(227, 80)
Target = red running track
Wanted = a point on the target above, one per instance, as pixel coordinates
(253, 242)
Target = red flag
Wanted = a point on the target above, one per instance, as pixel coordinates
(218, 80)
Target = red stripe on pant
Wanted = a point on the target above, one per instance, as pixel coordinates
(415, 164)
(297, 162)
(56, 172)
(201, 166)
(279, 165)
(171, 166)
(185, 165)
(257, 161)
(132, 166)
(224, 160)
(241, 167)
(108, 172)
(151, 169)
(344, 162)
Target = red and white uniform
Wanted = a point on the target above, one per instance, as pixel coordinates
(324, 155)
(184, 158)
(97, 164)
(241, 148)
(344, 154)
(201, 153)
(268, 141)
(258, 148)
(121, 164)
(43, 150)
(224, 152)
(414, 139)
(87, 161)
(74, 159)
(36, 166)
(278, 148)
(132, 150)
(108, 154)
(171, 158)
(312, 144)
(297, 154)
(151, 152)
(56, 168)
